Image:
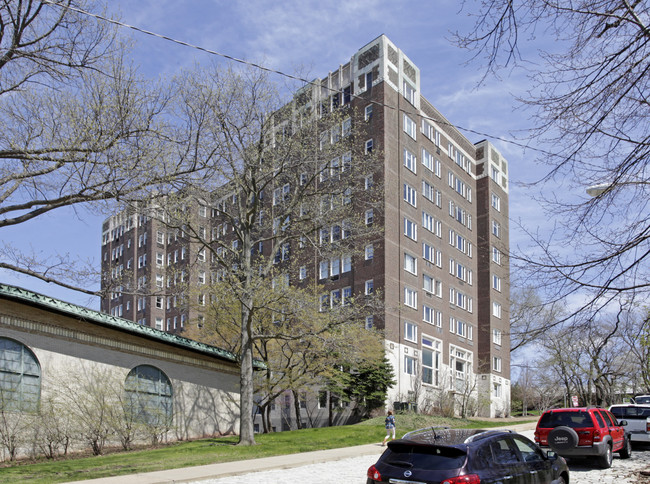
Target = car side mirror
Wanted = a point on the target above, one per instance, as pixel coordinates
(622, 423)
(551, 455)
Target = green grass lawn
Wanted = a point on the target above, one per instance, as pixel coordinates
(211, 451)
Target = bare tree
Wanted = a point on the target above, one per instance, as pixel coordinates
(78, 127)
(591, 360)
(590, 99)
(288, 185)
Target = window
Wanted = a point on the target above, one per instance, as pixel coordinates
(160, 302)
(410, 332)
(428, 314)
(496, 363)
(369, 216)
(496, 283)
(160, 259)
(431, 358)
(409, 92)
(370, 322)
(160, 237)
(410, 298)
(410, 229)
(428, 253)
(369, 146)
(409, 126)
(201, 277)
(460, 328)
(495, 174)
(369, 252)
(149, 395)
(302, 273)
(431, 193)
(203, 211)
(368, 182)
(431, 224)
(496, 229)
(409, 365)
(496, 390)
(410, 264)
(496, 336)
(346, 264)
(496, 202)
(369, 287)
(427, 160)
(428, 130)
(410, 194)
(496, 310)
(346, 127)
(367, 113)
(20, 377)
(323, 271)
(410, 161)
(347, 295)
(460, 362)
(496, 255)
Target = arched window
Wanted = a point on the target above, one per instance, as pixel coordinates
(20, 377)
(149, 395)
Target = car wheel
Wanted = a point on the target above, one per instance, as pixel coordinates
(559, 480)
(605, 460)
(562, 438)
(626, 451)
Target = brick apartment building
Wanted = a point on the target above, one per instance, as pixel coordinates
(441, 263)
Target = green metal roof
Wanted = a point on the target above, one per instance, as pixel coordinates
(120, 324)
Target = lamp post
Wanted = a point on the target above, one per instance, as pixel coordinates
(599, 189)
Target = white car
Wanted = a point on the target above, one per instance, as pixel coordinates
(637, 418)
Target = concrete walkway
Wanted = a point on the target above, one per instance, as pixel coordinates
(225, 469)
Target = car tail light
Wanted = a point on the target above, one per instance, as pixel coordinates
(647, 424)
(468, 479)
(374, 474)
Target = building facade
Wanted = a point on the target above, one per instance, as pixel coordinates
(441, 262)
(63, 362)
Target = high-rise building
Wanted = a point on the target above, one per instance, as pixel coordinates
(442, 261)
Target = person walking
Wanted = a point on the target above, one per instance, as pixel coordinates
(390, 427)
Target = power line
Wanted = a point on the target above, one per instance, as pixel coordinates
(282, 73)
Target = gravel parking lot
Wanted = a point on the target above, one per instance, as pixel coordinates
(353, 470)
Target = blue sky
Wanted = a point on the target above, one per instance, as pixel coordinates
(313, 38)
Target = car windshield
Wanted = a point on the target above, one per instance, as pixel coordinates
(642, 400)
(425, 457)
(568, 419)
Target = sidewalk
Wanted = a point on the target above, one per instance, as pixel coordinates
(214, 471)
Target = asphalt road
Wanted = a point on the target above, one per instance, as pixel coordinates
(353, 471)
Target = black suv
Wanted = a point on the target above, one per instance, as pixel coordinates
(466, 456)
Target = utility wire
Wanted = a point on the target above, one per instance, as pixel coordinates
(281, 73)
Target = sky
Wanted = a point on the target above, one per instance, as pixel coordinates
(313, 37)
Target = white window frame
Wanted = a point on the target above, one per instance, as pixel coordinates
(410, 195)
(410, 229)
(410, 127)
(496, 309)
(410, 332)
(497, 336)
(410, 297)
(410, 263)
(410, 161)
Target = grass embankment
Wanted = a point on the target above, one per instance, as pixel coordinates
(212, 451)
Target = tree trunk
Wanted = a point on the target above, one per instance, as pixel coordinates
(330, 416)
(246, 432)
(296, 407)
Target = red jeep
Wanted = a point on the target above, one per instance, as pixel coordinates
(583, 432)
